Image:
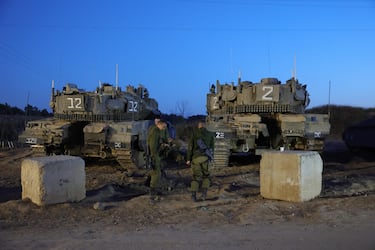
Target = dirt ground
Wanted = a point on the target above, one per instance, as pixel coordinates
(117, 213)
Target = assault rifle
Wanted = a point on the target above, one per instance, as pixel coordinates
(204, 149)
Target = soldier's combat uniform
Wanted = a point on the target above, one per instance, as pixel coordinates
(156, 141)
(199, 153)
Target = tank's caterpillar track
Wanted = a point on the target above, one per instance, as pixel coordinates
(38, 151)
(221, 153)
(124, 159)
(315, 144)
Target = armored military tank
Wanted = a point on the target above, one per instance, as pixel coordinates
(360, 136)
(250, 117)
(107, 123)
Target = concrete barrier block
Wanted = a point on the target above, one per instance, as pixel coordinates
(291, 175)
(53, 179)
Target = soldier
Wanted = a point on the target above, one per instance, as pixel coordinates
(157, 143)
(199, 154)
(165, 132)
(164, 136)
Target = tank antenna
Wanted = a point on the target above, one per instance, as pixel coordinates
(52, 94)
(295, 68)
(116, 76)
(27, 103)
(231, 60)
(53, 87)
(269, 59)
(329, 99)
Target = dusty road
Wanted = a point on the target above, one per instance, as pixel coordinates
(234, 217)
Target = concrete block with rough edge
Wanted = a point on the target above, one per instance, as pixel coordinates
(53, 179)
(291, 175)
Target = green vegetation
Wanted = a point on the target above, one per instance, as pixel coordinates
(11, 126)
(6, 109)
(13, 119)
(184, 127)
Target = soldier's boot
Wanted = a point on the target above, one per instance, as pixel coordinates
(204, 194)
(158, 195)
(153, 196)
(194, 196)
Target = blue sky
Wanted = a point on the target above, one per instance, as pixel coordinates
(178, 48)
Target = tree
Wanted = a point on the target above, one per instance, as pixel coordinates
(6, 109)
(44, 112)
(34, 111)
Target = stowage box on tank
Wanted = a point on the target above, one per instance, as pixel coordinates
(250, 117)
(107, 123)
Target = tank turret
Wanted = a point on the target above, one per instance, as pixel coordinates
(248, 117)
(107, 103)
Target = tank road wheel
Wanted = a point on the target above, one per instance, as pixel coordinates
(103, 154)
(221, 153)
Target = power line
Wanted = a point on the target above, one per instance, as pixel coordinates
(185, 28)
(290, 3)
(8, 52)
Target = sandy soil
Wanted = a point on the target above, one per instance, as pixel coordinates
(117, 213)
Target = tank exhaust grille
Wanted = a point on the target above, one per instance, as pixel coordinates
(96, 117)
(279, 108)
